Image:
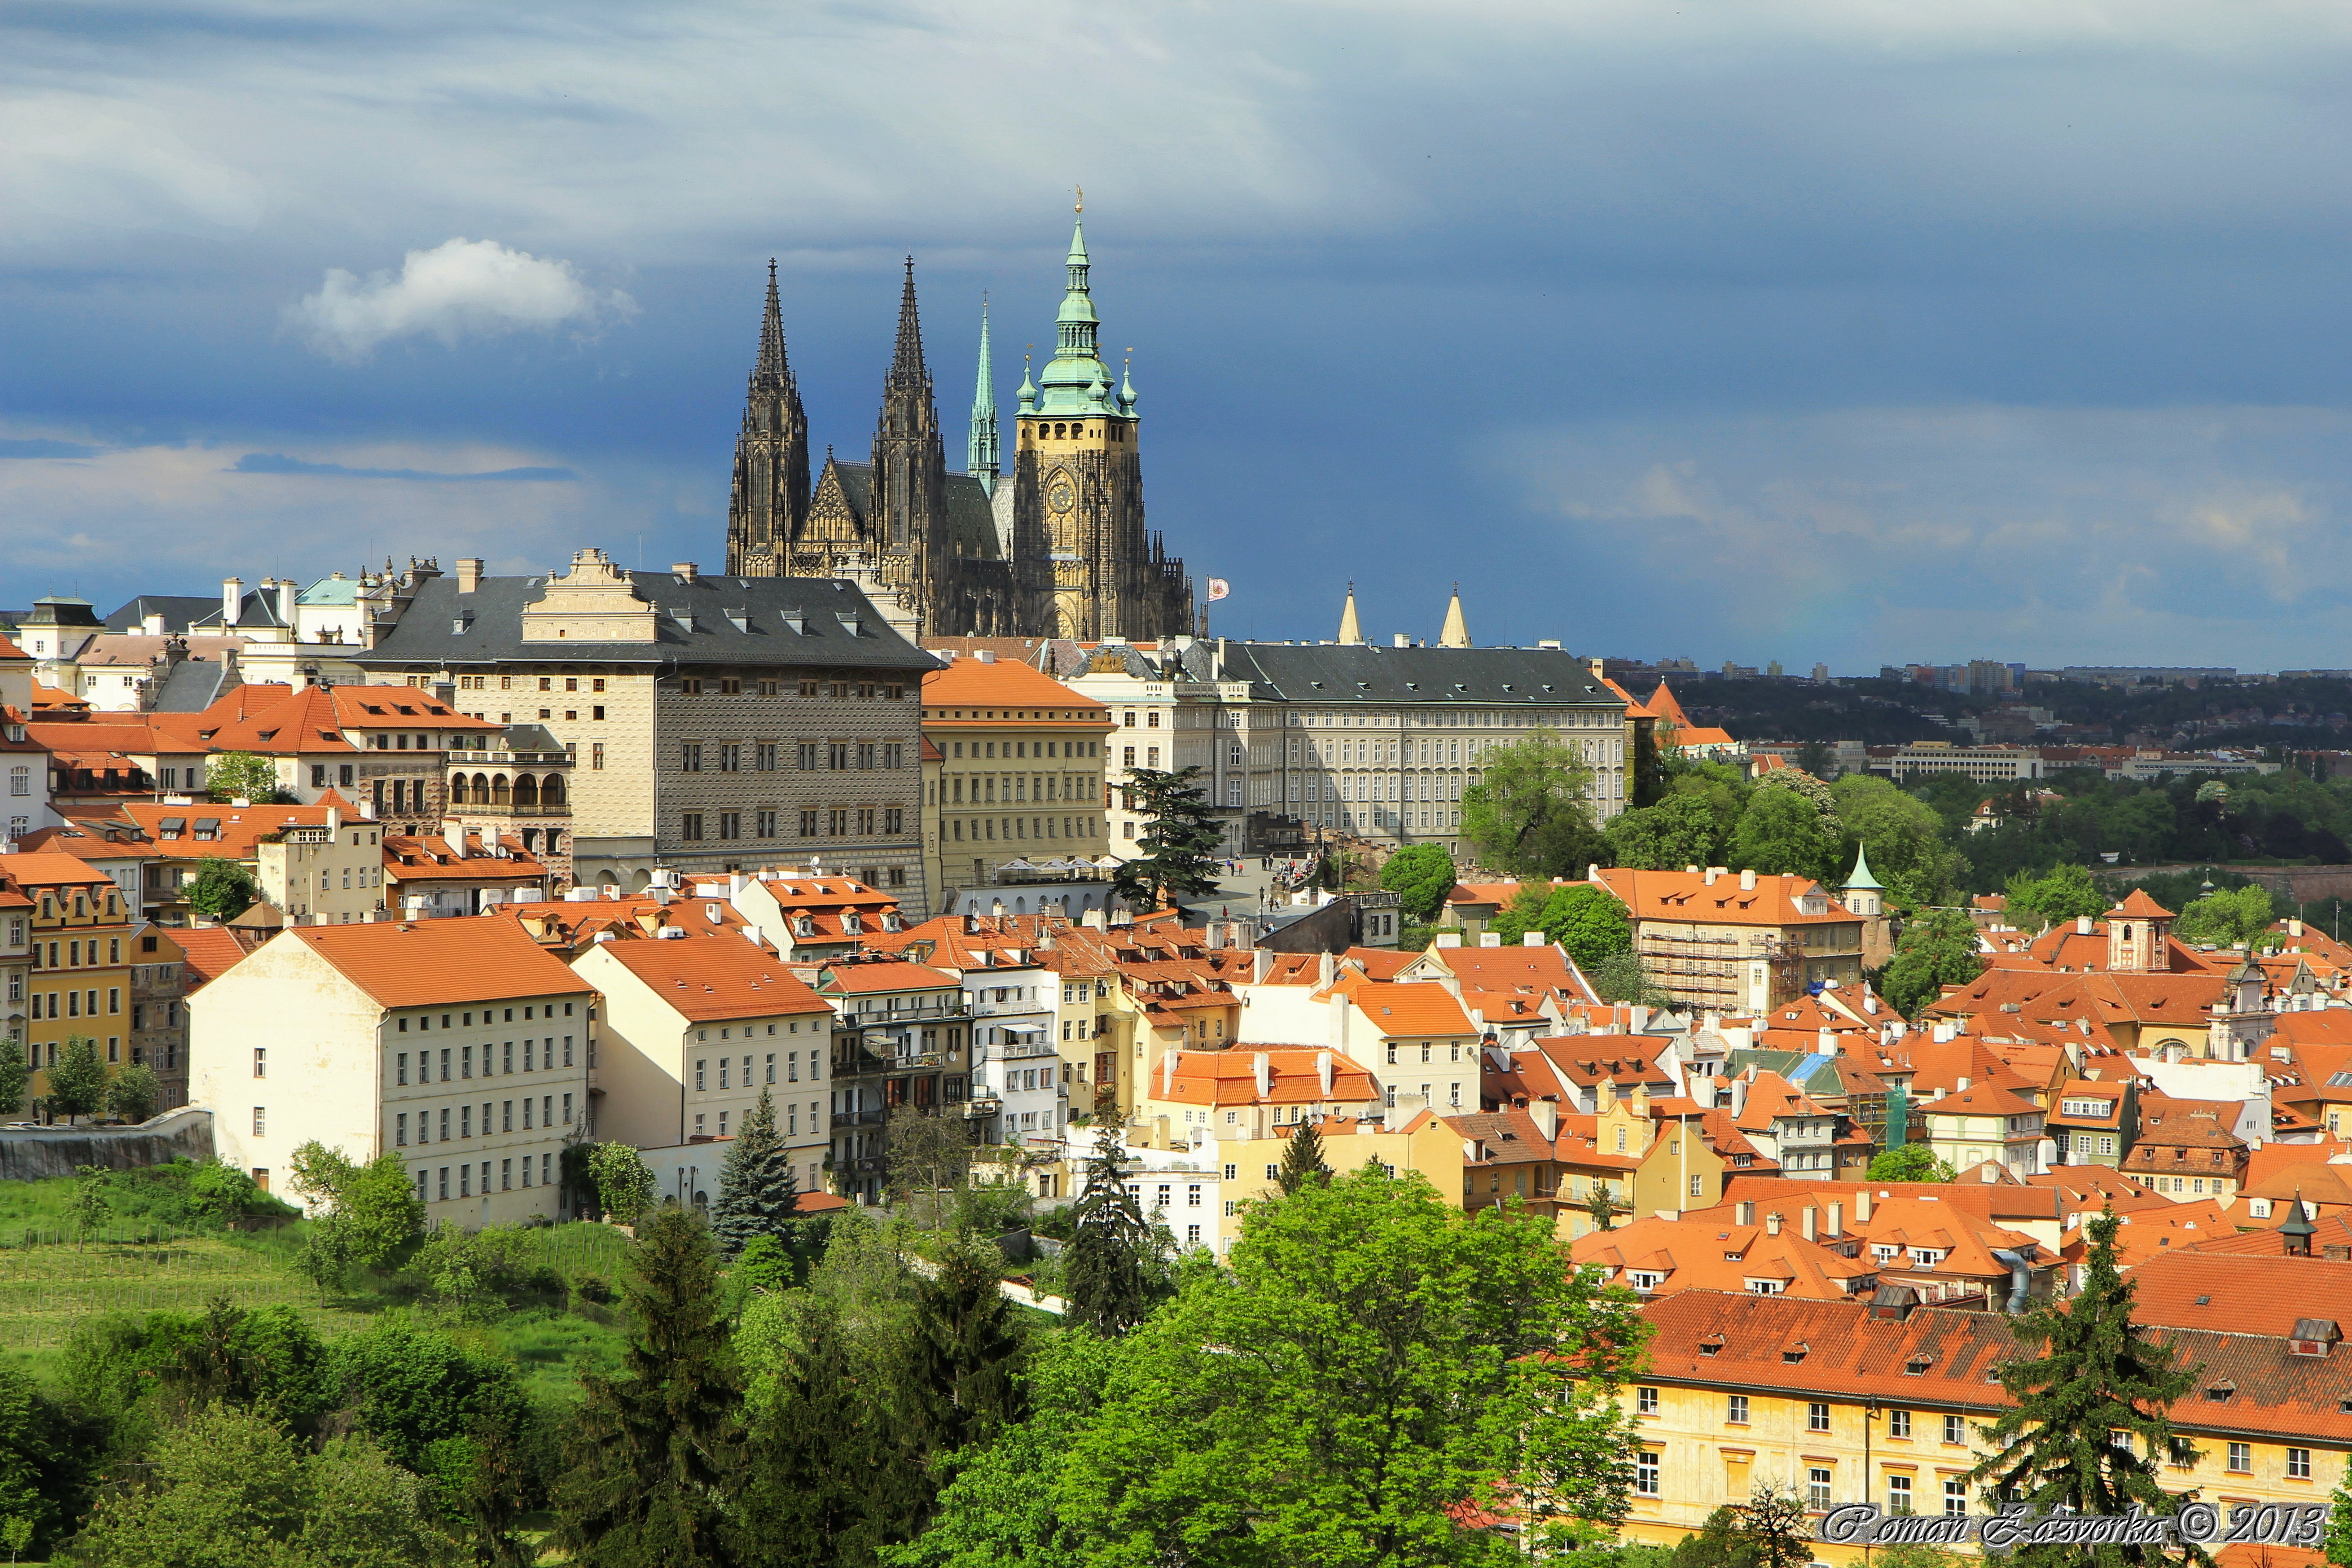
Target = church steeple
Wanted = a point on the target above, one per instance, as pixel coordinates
(909, 497)
(1456, 630)
(1352, 633)
(980, 456)
(1076, 380)
(771, 496)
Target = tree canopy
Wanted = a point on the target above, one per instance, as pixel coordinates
(241, 776)
(1421, 876)
(223, 890)
(1530, 812)
(1176, 854)
(2062, 894)
(2226, 918)
(1938, 949)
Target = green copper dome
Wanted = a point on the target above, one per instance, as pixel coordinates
(1076, 380)
(1862, 878)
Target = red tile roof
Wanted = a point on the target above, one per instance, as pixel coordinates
(437, 963)
(705, 981)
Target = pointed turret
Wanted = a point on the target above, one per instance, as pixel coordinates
(1076, 380)
(1862, 878)
(771, 497)
(1456, 633)
(909, 481)
(980, 459)
(1352, 632)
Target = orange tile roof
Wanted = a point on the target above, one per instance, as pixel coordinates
(1407, 1007)
(437, 963)
(211, 951)
(1687, 895)
(1979, 1100)
(1010, 692)
(2242, 1294)
(36, 869)
(241, 829)
(2149, 1230)
(429, 858)
(1230, 1078)
(2139, 904)
(707, 982)
(1703, 1255)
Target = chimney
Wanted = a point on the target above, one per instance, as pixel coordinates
(334, 817)
(2295, 927)
(288, 593)
(685, 570)
(1494, 938)
(1992, 1173)
(2082, 925)
(1836, 1220)
(1747, 880)
(1262, 1068)
(1326, 969)
(1712, 872)
(1811, 1223)
(1861, 1207)
(1323, 1068)
(1827, 1044)
(1168, 1064)
(1744, 1211)
(984, 656)
(153, 626)
(1546, 1118)
(1532, 939)
(1261, 965)
(1772, 1223)
(1640, 1012)
(1739, 1097)
(1963, 1086)
(232, 596)
(469, 574)
(1604, 1094)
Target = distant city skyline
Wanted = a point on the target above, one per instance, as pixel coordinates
(1613, 316)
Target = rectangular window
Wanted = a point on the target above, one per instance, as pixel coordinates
(260, 1122)
(445, 1183)
(689, 757)
(401, 1068)
(400, 1131)
(1955, 1430)
(690, 826)
(1817, 1489)
(596, 752)
(1645, 1401)
(2242, 1459)
(1898, 1423)
(1956, 1499)
(2298, 1464)
(506, 1175)
(808, 823)
(1817, 1418)
(730, 757)
(1898, 1494)
(567, 1109)
(1645, 1472)
(261, 1061)
(1735, 1412)
(730, 824)
(767, 824)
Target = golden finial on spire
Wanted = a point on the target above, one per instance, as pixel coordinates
(1081, 205)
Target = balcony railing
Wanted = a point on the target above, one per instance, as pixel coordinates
(860, 1118)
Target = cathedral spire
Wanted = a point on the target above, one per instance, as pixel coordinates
(981, 457)
(1076, 380)
(771, 371)
(1351, 634)
(908, 359)
(1456, 633)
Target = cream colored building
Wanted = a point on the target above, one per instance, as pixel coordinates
(694, 1032)
(459, 1045)
(1020, 776)
(713, 723)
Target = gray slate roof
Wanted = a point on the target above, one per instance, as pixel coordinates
(427, 633)
(195, 684)
(1486, 677)
(176, 608)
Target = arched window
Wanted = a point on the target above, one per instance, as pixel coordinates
(550, 789)
(481, 790)
(458, 790)
(526, 790)
(498, 791)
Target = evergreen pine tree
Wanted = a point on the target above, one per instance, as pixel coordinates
(758, 1191)
(1178, 848)
(652, 1451)
(1110, 1289)
(2096, 1378)
(1302, 1159)
(967, 1355)
(1601, 1208)
(831, 1476)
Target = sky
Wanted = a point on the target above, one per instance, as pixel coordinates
(1850, 331)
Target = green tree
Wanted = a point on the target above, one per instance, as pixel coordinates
(1522, 915)
(1375, 1359)
(46, 1462)
(1303, 1163)
(132, 1094)
(653, 1452)
(241, 776)
(1530, 812)
(1623, 978)
(2339, 1520)
(1909, 844)
(88, 1208)
(1601, 1209)
(758, 1192)
(2226, 918)
(2062, 894)
(1909, 1162)
(1421, 876)
(1106, 1270)
(223, 889)
(967, 1353)
(15, 1534)
(1588, 922)
(625, 1185)
(1938, 949)
(1782, 832)
(372, 1211)
(77, 1080)
(410, 1387)
(1001, 1509)
(2084, 1375)
(1178, 850)
(325, 1255)
(16, 1075)
(1682, 829)
(231, 1490)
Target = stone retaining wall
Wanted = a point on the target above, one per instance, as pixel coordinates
(29, 1152)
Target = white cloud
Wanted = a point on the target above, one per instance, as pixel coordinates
(460, 289)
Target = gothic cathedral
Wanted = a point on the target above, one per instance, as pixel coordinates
(1060, 551)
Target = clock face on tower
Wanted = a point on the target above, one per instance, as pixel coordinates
(1060, 496)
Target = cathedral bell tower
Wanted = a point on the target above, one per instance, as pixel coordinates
(771, 497)
(909, 514)
(1088, 568)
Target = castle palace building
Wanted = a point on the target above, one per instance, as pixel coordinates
(1061, 550)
